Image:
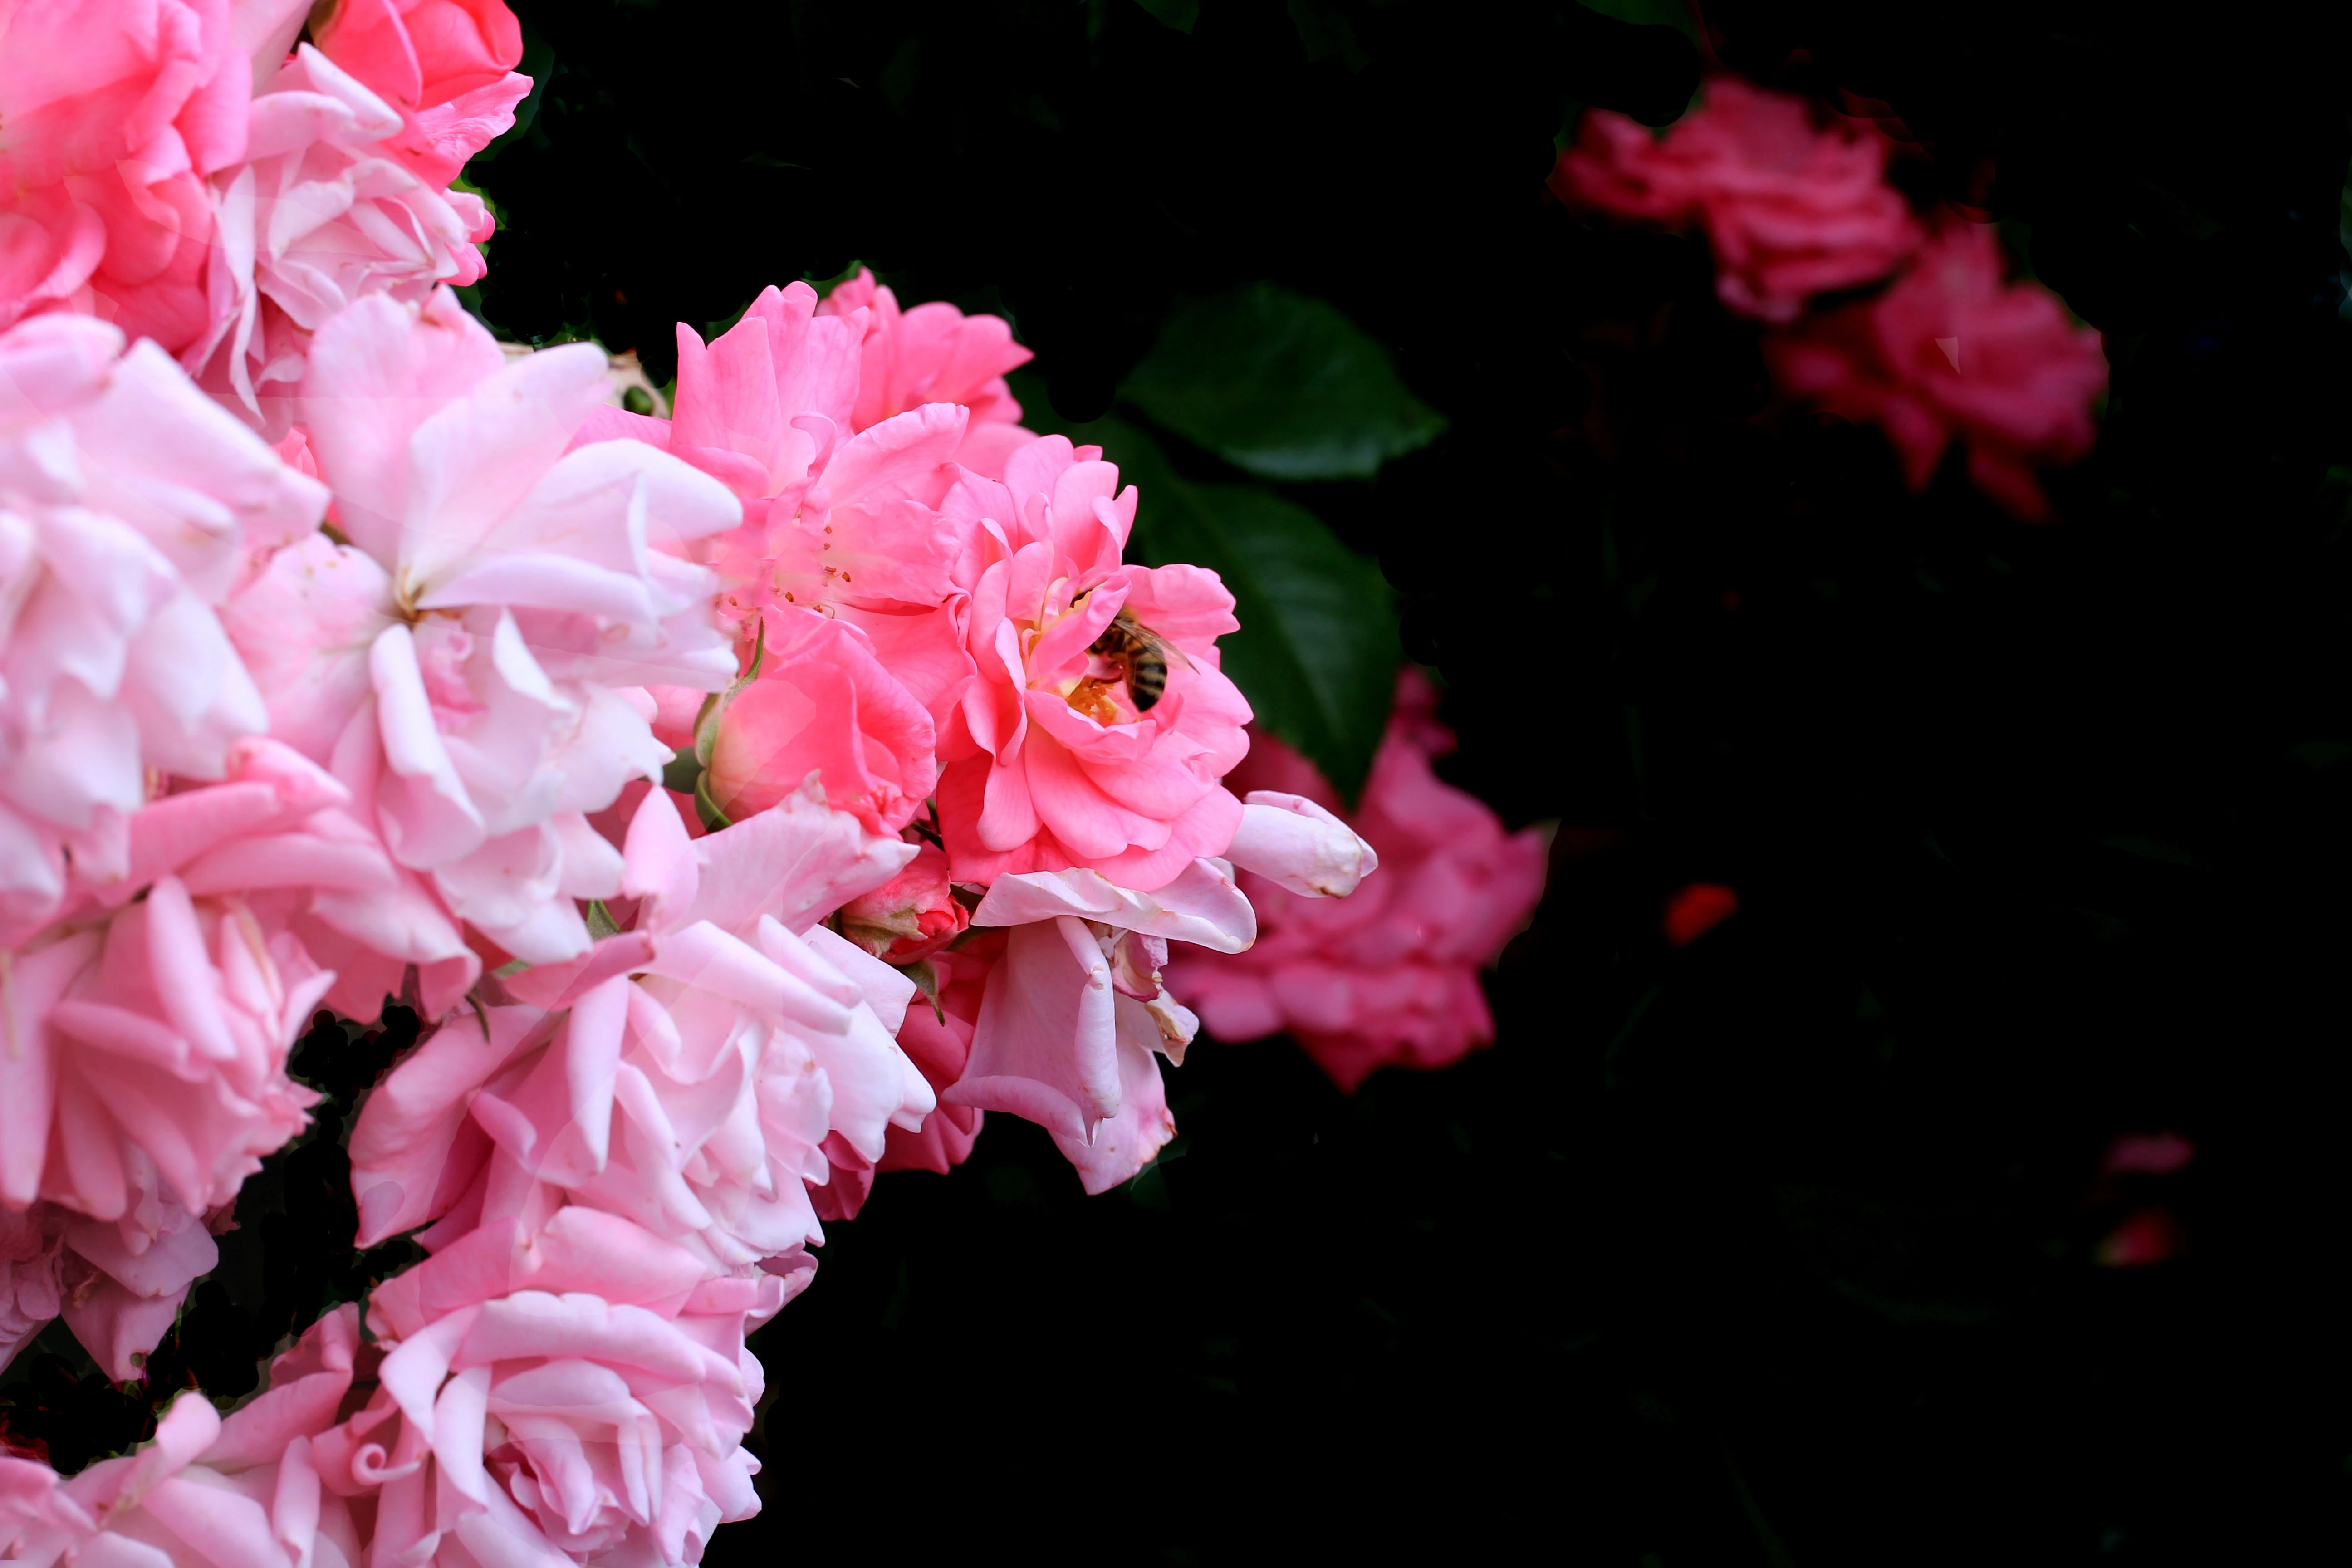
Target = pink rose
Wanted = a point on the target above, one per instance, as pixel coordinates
(130, 507)
(208, 1491)
(1952, 351)
(1072, 1014)
(149, 1073)
(909, 918)
(274, 864)
(30, 1240)
(1049, 762)
(319, 214)
(1791, 210)
(536, 1426)
(115, 114)
(118, 1286)
(447, 66)
(823, 704)
(1390, 974)
(694, 1065)
(935, 354)
(469, 662)
(841, 521)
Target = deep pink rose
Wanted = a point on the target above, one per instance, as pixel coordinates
(1792, 208)
(115, 114)
(1953, 352)
(447, 66)
(911, 917)
(935, 354)
(1048, 762)
(823, 704)
(1388, 976)
(838, 519)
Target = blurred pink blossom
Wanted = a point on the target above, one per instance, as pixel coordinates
(2147, 1154)
(1695, 909)
(1953, 353)
(1792, 208)
(1388, 976)
(2146, 1235)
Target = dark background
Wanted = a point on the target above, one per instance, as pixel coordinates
(1780, 1248)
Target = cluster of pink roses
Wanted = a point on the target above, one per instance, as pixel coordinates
(1793, 209)
(747, 800)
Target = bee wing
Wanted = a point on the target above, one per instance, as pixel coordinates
(1149, 638)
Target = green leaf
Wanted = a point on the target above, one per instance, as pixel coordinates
(1178, 14)
(1649, 13)
(1317, 653)
(1281, 386)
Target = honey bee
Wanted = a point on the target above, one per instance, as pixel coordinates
(1142, 656)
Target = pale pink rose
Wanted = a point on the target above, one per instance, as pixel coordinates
(470, 662)
(147, 1081)
(1300, 846)
(1954, 353)
(1072, 1015)
(823, 704)
(692, 1067)
(1388, 976)
(115, 114)
(286, 875)
(1791, 207)
(446, 65)
(538, 1428)
(130, 505)
(911, 917)
(935, 354)
(150, 1058)
(936, 1034)
(30, 1241)
(207, 1493)
(319, 214)
(1048, 764)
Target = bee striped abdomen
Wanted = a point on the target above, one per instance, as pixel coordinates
(1140, 654)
